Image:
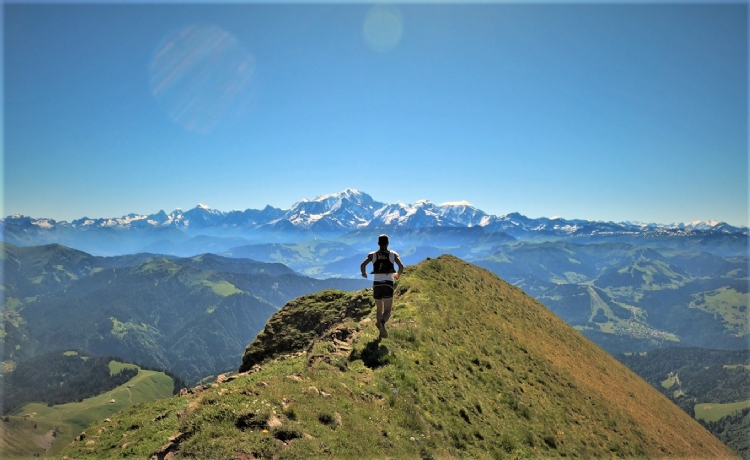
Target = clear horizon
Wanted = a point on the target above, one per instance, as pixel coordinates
(285, 208)
(600, 112)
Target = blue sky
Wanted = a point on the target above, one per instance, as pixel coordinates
(593, 111)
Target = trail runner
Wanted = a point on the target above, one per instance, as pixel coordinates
(384, 274)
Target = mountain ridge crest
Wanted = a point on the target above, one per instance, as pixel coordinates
(352, 209)
(435, 388)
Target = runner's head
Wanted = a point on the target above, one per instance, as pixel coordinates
(383, 241)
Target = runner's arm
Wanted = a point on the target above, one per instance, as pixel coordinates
(400, 264)
(363, 267)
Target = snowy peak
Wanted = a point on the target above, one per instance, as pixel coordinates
(463, 213)
(334, 212)
(463, 203)
(421, 214)
(351, 209)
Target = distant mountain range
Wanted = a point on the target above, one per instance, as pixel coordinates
(627, 286)
(190, 315)
(339, 213)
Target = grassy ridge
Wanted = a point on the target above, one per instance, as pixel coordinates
(21, 439)
(473, 368)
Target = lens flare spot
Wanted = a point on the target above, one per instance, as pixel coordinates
(200, 76)
(383, 28)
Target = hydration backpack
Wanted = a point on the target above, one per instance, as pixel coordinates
(382, 262)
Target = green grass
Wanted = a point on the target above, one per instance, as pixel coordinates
(116, 366)
(472, 368)
(222, 288)
(11, 303)
(735, 366)
(160, 265)
(671, 381)
(710, 412)
(119, 328)
(728, 303)
(20, 438)
(650, 270)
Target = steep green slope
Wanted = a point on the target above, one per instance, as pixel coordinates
(45, 429)
(473, 368)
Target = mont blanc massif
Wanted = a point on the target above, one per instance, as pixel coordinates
(512, 337)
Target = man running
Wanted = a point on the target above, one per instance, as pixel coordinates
(382, 287)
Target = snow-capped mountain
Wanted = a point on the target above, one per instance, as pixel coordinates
(463, 213)
(419, 215)
(343, 211)
(339, 213)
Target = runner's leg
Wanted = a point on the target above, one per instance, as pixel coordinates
(387, 308)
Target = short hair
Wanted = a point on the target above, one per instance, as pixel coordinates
(383, 240)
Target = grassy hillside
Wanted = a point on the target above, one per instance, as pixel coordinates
(473, 368)
(43, 429)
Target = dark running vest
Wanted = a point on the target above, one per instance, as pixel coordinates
(382, 262)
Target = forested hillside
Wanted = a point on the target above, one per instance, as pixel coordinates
(62, 377)
(192, 316)
(700, 379)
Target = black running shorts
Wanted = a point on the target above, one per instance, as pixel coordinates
(382, 289)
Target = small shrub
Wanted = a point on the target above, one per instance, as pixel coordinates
(326, 419)
(290, 413)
